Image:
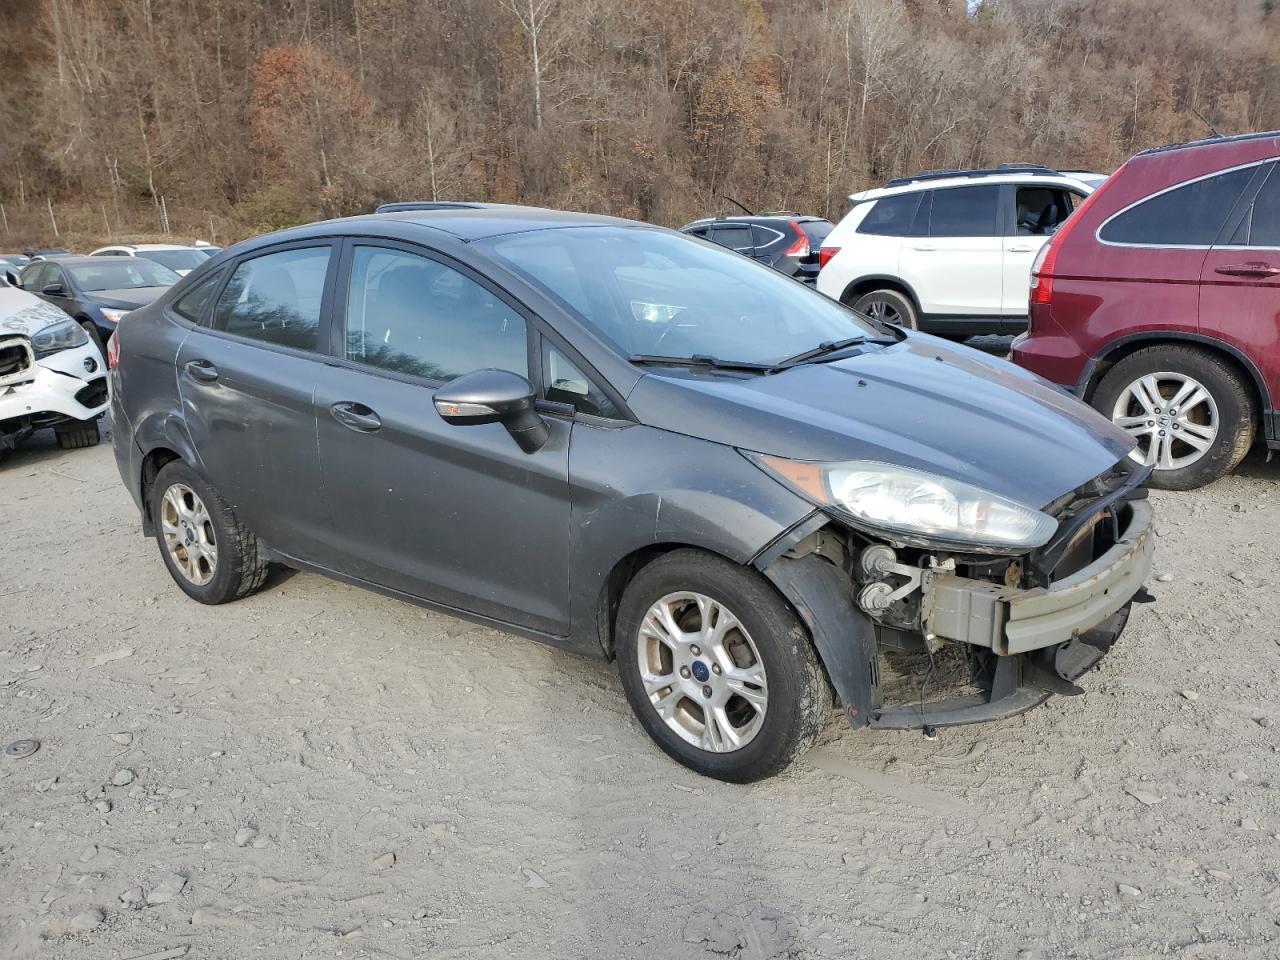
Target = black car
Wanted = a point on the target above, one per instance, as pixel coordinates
(97, 291)
(787, 242)
(626, 442)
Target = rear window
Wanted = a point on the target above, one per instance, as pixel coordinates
(816, 231)
(891, 216)
(1191, 215)
(965, 212)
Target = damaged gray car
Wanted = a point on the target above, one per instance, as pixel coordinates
(640, 447)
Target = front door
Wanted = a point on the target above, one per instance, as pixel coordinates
(247, 383)
(1037, 212)
(454, 514)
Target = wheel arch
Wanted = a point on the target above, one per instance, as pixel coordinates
(160, 440)
(1126, 346)
(879, 281)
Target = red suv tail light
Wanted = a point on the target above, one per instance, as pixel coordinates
(800, 246)
(113, 349)
(1046, 260)
(825, 254)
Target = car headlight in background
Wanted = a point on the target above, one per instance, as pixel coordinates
(114, 313)
(654, 312)
(62, 335)
(914, 504)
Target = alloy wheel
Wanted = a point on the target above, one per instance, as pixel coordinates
(882, 311)
(188, 534)
(1171, 415)
(702, 672)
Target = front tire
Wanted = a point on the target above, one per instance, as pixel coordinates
(91, 329)
(1189, 411)
(888, 306)
(76, 434)
(210, 554)
(718, 669)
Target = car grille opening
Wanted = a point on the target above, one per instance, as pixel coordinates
(93, 395)
(15, 359)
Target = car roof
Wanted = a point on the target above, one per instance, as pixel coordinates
(75, 260)
(965, 179)
(756, 218)
(475, 222)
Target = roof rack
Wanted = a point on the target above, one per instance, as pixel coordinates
(1209, 141)
(989, 172)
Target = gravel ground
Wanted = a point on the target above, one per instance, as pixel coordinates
(318, 771)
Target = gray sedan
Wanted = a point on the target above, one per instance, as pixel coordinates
(641, 447)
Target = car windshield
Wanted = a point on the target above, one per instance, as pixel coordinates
(657, 293)
(175, 259)
(121, 274)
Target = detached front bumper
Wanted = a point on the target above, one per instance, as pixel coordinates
(1009, 620)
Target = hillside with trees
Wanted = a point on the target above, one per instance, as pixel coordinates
(237, 116)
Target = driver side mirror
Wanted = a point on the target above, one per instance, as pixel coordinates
(494, 396)
(53, 290)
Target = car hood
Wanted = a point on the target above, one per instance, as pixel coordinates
(922, 403)
(128, 299)
(25, 313)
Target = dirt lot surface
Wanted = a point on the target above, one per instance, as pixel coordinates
(317, 771)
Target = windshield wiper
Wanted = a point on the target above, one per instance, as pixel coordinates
(832, 346)
(702, 360)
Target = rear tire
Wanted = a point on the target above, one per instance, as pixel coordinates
(757, 679)
(1216, 415)
(77, 434)
(210, 554)
(888, 306)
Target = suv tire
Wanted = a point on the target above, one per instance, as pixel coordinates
(210, 554)
(75, 434)
(1225, 417)
(764, 652)
(888, 306)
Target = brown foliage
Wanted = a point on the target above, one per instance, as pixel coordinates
(246, 114)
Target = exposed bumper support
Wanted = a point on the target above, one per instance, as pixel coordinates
(1011, 620)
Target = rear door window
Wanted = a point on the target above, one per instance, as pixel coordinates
(891, 216)
(764, 236)
(965, 212)
(735, 236)
(1191, 215)
(1039, 211)
(276, 298)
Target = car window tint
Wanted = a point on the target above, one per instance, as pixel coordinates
(191, 305)
(276, 298)
(734, 236)
(891, 216)
(1040, 210)
(1190, 215)
(417, 316)
(1261, 225)
(33, 277)
(763, 236)
(564, 382)
(964, 212)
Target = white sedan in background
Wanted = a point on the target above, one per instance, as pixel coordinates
(179, 258)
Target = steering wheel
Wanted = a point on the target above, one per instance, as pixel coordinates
(680, 319)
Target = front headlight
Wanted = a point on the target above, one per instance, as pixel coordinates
(56, 337)
(914, 505)
(114, 313)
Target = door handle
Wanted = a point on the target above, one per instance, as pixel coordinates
(201, 370)
(924, 247)
(1020, 249)
(356, 416)
(1254, 268)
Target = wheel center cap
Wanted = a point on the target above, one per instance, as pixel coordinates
(700, 671)
(191, 535)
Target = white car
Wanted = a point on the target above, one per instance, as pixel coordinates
(51, 373)
(177, 257)
(948, 252)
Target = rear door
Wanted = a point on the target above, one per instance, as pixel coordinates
(1240, 281)
(955, 263)
(458, 515)
(247, 381)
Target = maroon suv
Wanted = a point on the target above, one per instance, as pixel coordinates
(1158, 301)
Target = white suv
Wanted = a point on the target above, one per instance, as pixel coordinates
(949, 252)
